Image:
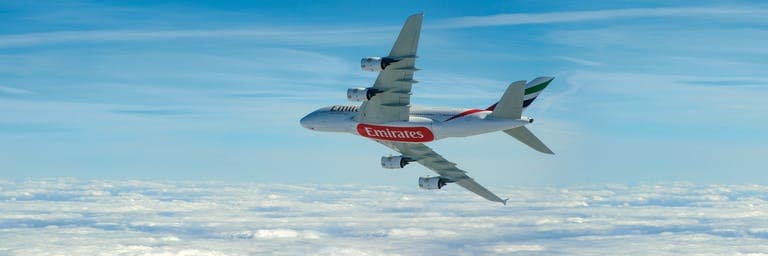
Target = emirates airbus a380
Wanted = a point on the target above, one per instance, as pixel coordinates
(387, 117)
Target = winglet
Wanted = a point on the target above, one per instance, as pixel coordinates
(504, 201)
(408, 39)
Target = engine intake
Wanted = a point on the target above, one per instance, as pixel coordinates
(394, 162)
(361, 94)
(432, 182)
(375, 64)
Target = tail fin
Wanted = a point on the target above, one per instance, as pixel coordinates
(510, 106)
(526, 137)
(532, 90)
(519, 96)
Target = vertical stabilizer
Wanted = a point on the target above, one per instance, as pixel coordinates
(534, 88)
(531, 91)
(510, 106)
(519, 96)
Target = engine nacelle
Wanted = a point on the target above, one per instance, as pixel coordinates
(432, 182)
(375, 64)
(361, 94)
(394, 162)
(526, 119)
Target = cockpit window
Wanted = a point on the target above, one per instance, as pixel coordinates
(339, 108)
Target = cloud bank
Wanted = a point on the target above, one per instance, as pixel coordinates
(72, 217)
(581, 16)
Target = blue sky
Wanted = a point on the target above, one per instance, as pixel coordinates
(645, 92)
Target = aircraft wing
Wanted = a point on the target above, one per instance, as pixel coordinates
(393, 101)
(435, 162)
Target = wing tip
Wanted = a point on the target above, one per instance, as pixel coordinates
(504, 202)
(416, 15)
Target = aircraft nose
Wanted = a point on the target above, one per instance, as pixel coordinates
(306, 121)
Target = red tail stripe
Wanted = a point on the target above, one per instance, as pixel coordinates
(468, 112)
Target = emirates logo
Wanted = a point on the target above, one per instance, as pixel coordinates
(393, 133)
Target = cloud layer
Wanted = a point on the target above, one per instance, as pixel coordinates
(581, 16)
(72, 217)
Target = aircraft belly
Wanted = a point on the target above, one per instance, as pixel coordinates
(472, 125)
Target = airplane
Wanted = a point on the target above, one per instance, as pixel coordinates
(387, 117)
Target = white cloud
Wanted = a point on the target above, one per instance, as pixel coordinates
(674, 98)
(11, 90)
(580, 61)
(61, 217)
(418, 232)
(509, 248)
(450, 86)
(283, 233)
(659, 41)
(578, 16)
(315, 36)
(367, 35)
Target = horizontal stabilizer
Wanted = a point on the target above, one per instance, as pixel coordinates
(526, 137)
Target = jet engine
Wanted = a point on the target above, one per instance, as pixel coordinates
(432, 182)
(394, 162)
(361, 94)
(375, 64)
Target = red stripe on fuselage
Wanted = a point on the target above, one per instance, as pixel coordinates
(468, 112)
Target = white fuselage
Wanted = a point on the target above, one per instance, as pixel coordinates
(425, 124)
